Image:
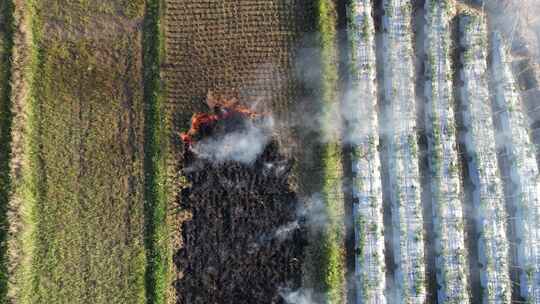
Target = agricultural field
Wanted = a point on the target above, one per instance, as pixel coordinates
(269, 151)
(85, 146)
(78, 190)
(362, 132)
(400, 155)
(445, 187)
(518, 154)
(487, 195)
(254, 64)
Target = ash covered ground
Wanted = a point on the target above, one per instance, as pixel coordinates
(243, 242)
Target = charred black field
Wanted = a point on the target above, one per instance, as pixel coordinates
(242, 242)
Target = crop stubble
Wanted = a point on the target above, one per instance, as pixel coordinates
(240, 48)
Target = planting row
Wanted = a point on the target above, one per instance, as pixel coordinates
(479, 138)
(363, 133)
(398, 128)
(490, 123)
(520, 173)
(444, 173)
(333, 234)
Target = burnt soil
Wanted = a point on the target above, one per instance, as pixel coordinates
(232, 249)
(245, 48)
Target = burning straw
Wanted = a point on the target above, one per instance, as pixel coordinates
(233, 132)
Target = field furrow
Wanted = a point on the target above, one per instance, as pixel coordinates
(399, 127)
(479, 138)
(362, 133)
(521, 172)
(444, 170)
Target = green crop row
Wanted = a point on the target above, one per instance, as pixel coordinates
(157, 242)
(332, 262)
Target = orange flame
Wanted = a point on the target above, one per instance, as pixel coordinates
(226, 108)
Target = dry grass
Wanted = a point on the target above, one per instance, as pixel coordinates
(19, 200)
(80, 191)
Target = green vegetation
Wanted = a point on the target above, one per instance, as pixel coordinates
(326, 22)
(332, 262)
(82, 239)
(26, 187)
(6, 46)
(333, 236)
(157, 242)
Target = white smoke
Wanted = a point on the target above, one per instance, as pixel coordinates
(299, 296)
(315, 113)
(313, 212)
(281, 234)
(284, 232)
(357, 128)
(243, 145)
(519, 21)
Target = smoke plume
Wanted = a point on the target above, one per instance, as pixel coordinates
(243, 145)
(299, 296)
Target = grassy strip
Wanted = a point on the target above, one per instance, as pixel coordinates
(26, 188)
(333, 259)
(6, 119)
(333, 255)
(29, 187)
(158, 251)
